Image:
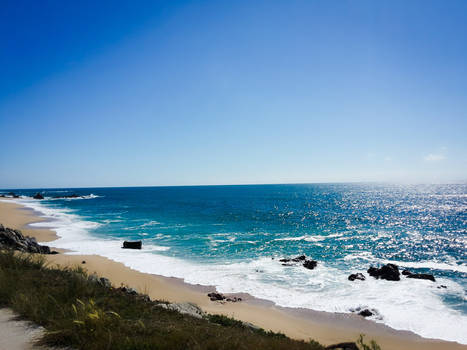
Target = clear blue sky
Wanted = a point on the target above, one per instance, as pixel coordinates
(119, 93)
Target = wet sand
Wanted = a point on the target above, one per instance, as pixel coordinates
(327, 328)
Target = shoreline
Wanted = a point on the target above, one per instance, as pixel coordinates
(325, 327)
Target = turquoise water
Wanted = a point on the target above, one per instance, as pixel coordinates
(227, 236)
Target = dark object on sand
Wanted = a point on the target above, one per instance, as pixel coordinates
(216, 296)
(419, 276)
(343, 346)
(38, 196)
(365, 313)
(357, 276)
(388, 272)
(310, 264)
(83, 262)
(132, 244)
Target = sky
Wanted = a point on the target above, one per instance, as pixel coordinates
(141, 93)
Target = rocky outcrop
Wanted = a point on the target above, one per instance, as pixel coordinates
(132, 244)
(419, 276)
(38, 196)
(184, 308)
(357, 276)
(14, 239)
(343, 346)
(388, 272)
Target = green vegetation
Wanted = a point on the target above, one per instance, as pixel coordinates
(79, 312)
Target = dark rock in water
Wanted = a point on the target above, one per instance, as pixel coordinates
(422, 276)
(442, 286)
(74, 195)
(216, 296)
(13, 194)
(343, 346)
(388, 272)
(357, 276)
(296, 259)
(299, 258)
(365, 313)
(285, 264)
(132, 244)
(419, 276)
(310, 264)
(14, 239)
(38, 196)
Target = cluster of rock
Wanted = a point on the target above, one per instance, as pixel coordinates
(390, 272)
(38, 195)
(307, 263)
(9, 195)
(74, 195)
(14, 239)
(214, 296)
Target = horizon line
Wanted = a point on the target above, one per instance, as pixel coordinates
(244, 184)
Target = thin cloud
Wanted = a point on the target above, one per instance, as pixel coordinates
(433, 157)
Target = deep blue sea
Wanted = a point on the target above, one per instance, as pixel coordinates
(227, 236)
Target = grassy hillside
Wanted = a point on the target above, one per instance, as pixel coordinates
(81, 312)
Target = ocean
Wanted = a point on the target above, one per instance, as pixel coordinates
(232, 237)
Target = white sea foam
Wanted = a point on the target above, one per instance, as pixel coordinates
(414, 305)
(309, 238)
(89, 196)
(462, 267)
(150, 223)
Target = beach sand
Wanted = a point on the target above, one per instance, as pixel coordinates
(327, 328)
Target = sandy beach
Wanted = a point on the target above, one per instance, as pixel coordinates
(327, 328)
